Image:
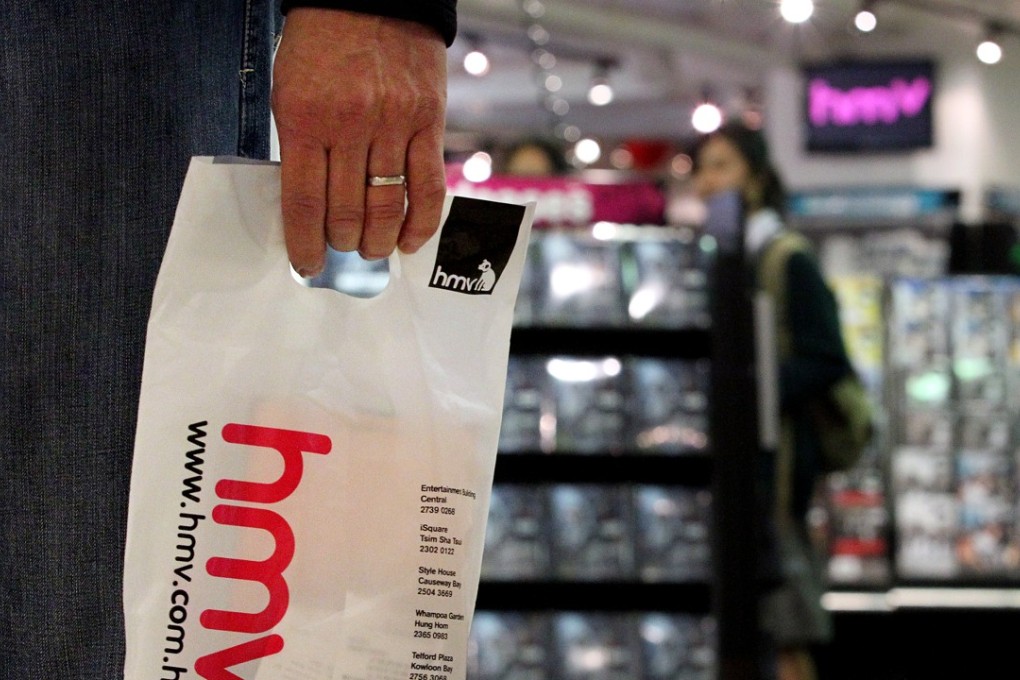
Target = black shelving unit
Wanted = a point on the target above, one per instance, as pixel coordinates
(685, 343)
(729, 594)
(907, 627)
(692, 470)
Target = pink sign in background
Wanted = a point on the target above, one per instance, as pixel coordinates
(568, 201)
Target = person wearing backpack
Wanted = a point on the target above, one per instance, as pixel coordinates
(825, 417)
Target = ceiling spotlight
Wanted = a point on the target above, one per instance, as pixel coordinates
(865, 21)
(706, 118)
(796, 11)
(571, 133)
(544, 58)
(478, 167)
(533, 8)
(990, 51)
(537, 34)
(476, 62)
(601, 92)
(557, 105)
(587, 150)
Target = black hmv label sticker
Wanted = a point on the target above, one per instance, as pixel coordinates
(475, 245)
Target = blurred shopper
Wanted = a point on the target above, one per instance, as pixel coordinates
(794, 623)
(103, 105)
(534, 157)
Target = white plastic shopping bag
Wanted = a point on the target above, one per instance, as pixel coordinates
(312, 470)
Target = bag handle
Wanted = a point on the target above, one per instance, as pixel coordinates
(772, 279)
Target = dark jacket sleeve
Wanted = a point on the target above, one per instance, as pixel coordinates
(818, 359)
(439, 14)
(818, 356)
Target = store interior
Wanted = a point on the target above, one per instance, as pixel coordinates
(898, 144)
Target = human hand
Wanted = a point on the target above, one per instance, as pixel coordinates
(357, 95)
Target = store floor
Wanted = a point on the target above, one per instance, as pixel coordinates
(925, 645)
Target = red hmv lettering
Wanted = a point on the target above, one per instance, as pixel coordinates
(269, 572)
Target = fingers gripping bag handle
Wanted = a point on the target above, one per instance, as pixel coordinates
(312, 470)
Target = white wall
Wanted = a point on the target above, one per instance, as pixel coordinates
(977, 137)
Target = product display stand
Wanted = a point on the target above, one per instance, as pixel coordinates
(609, 468)
(598, 560)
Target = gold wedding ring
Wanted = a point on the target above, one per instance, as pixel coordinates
(385, 180)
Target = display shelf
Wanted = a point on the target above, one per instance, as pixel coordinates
(721, 587)
(917, 597)
(619, 596)
(694, 470)
(872, 209)
(685, 343)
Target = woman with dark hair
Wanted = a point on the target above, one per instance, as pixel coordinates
(812, 357)
(534, 157)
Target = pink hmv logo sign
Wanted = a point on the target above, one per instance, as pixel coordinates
(875, 105)
(869, 106)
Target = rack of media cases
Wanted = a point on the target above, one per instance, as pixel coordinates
(921, 536)
(620, 541)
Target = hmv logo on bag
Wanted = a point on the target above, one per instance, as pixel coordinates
(475, 245)
(245, 507)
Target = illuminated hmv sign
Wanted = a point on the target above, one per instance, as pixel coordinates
(869, 106)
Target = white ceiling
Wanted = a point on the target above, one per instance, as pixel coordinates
(668, 53)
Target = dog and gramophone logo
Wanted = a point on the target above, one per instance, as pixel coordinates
(475, 245)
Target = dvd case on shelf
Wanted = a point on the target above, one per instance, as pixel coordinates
(929, 428)
(528, 407)
(985, 486)
(919, 469)
(588, 405)
(986, 430)
(509, 646)
(677, 647)
(595, 646)
(591, 397)
(672, 533)
(517, 545)
(653, 645)
(926, 512)
(666, 279)
(669, 405)
(576, 281)
(592, 532)
(926, 531)
(858, 527)
(919, 326)
(979, 342)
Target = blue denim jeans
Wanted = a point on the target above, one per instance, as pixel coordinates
(102, 104)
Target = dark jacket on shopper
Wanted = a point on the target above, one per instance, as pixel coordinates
(440, 14)
(812, 357)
